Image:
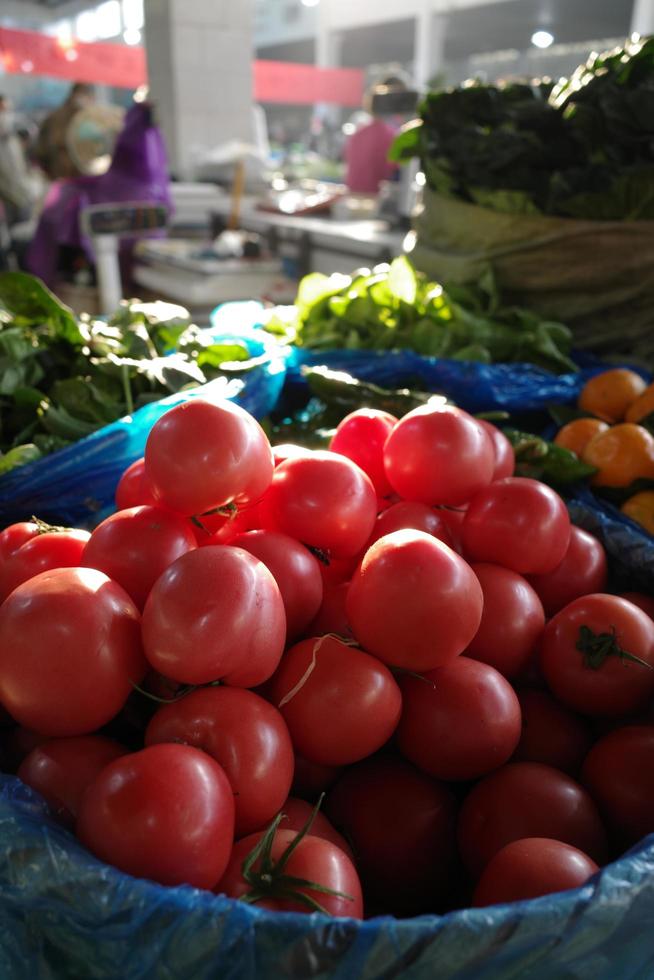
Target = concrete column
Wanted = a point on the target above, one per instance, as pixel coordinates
(642, 17)
(429, 44)
(200, 69)
(329, 44)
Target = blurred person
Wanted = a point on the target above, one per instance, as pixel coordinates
(366, 151)
(16, 191)
(51, 145)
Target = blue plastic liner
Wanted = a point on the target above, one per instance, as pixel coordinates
(65, 914)
(76, 486)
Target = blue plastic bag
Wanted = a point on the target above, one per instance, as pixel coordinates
(76, 486)
(65, 914)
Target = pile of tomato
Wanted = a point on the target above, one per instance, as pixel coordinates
(383, 678)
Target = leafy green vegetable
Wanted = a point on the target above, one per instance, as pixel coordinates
(62, 378)
(583, 148)
(395, 307)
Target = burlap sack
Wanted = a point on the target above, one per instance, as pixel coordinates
(595, 276)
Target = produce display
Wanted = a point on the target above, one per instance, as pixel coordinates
(386, 677)
(611, 431)
(581, 148)
(63, 377)
(395, 307)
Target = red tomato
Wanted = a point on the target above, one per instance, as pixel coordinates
(165, 813)
(288, 450)
(619, 774)
(411, 514)
(223, 528)
(583, 571)
(54, 549)
(242, 732)
(361, 436)
(311, 779)
(134, 547)
(332, 617)
(413, 602)
(519, 523)
(295, 570)
(526, 799)
(511, 622)
(551, 734)
(133, 488)
(324, 500)
(314, 860)
(453, 519)
(340, 704)
(402, 827)
(16, 535)
(62, 768)
(201, 455)
(504, 454)
(644, 602)
(439, 454)
(298, 812)
(70, 649)
(215, 613)
(338, 570)
(459, 722)
(598, 680)
(532, 867)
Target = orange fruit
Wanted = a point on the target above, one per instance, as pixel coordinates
(576, 435)
(622, 454)
(644, 405)
(640, 508)
(610, 394)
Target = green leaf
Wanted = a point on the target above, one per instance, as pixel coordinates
(402, 280)
(406, 144)
(26, 296)
(19, 456)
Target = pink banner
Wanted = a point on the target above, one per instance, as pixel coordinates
(30, 53)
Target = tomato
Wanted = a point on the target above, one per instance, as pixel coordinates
(401, 825)
(526, 799)
(133, 488)
(453, 519)
(532, 867)
(551, 734)
(460, 721)
(311, 779)
(324, 500)
(54, 549)
(599, 679)
(62, 768)
(511, 622)
(619, 774)
(519, 523)
(17, 743)
(439, 454)
(340, 704)
(165, 813)
(201, 455)
(242, 732)
(361, 436)
(314, 860)
(215, 613)
(134, 546)
(335, 571)
(413, 602)
(644, 602)
(295, 570)
(583, 570)
(296, 815)
(16, 535)
(288, 450)
(504, 454)
(411, 514)
(70, 649)
(332, 617)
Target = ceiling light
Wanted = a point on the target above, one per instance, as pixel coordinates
(542, 39)
(310, 3)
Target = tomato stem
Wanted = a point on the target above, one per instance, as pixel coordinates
(270, 881)
(596, 647)
(45, 528)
